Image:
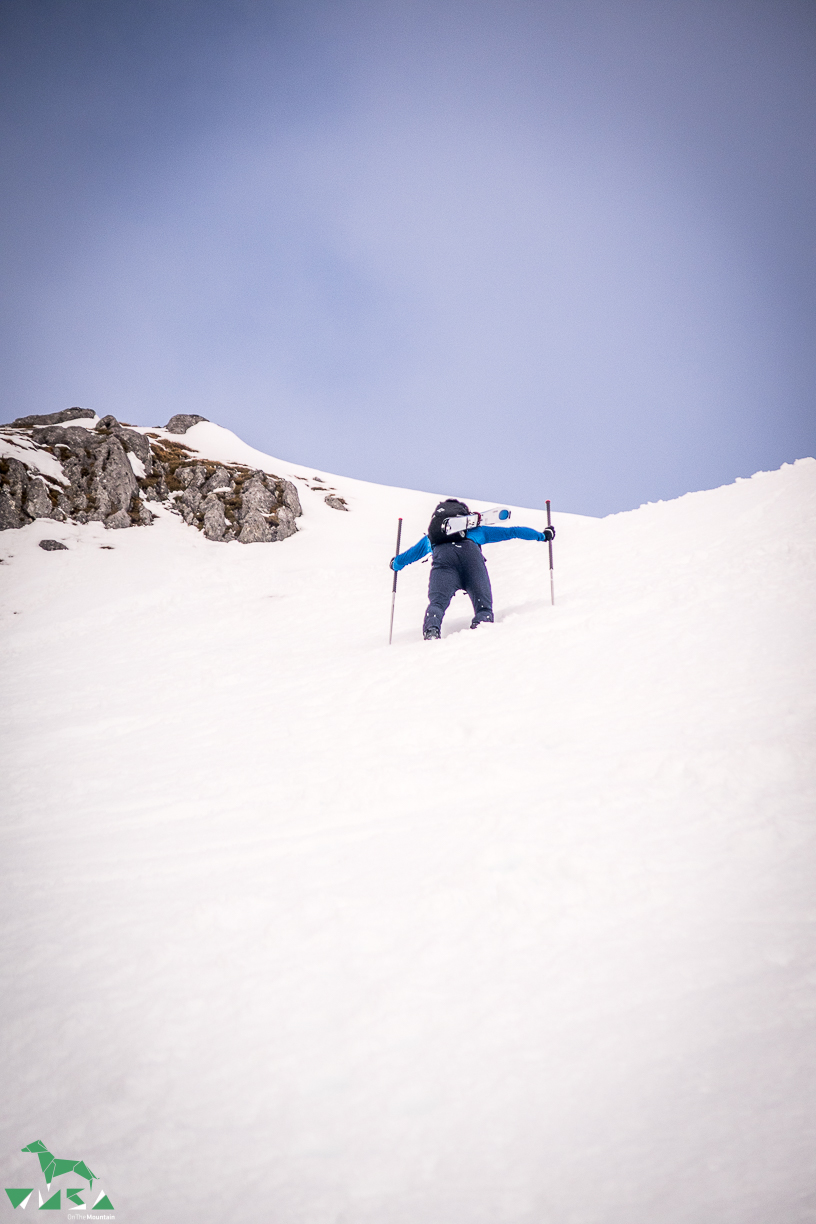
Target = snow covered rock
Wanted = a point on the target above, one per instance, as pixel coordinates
(100, 478)
(107, 472)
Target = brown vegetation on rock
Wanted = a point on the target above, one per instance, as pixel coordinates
(113, 471)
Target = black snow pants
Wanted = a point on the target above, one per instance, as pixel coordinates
(458, 567)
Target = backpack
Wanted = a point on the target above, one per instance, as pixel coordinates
(445, 510)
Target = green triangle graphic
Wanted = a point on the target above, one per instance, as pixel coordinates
(17, 1196)
(73, 1195)
(104, 1204)
(52, 1204)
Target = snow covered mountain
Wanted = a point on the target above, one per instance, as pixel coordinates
(515, 928)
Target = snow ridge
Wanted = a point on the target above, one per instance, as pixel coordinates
(512, 928)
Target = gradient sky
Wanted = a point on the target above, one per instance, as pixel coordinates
(502, 249)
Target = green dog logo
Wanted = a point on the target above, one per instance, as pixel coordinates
(52, 1165)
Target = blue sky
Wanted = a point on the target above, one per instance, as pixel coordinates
(501, 249)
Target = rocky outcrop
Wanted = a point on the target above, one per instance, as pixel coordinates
(225, 501)
(112, 474)
(53, 546)
(53, 418)
(101, 480)
(182, 421)
(133, 442)
(24, 496)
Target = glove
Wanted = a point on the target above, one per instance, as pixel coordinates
(392, 566)
(548, 534)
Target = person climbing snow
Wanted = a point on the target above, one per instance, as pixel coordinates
(458, 564)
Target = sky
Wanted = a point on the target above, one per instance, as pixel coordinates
(498, 249)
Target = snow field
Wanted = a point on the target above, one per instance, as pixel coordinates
(516, 927)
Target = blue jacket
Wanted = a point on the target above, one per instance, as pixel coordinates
(480, 535)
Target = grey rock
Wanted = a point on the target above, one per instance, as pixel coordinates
(120, 519)
(130, 439)
(336, 503)
(81, 451)
(76, 437)
(102, 486)
(15, 482)
(140, 446)
(182, 421)
(76, 498)
(255, 497)
(157, 491)
(14, 493)
(189, 504)
(286, 523)
(10, 515)
(112, 483)
(215, 523)
(194, 475)
(37, 503)
(255, 530)
(53, 418)
(291, 499)
(52, 545)
(220, 479)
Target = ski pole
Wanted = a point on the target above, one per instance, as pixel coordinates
(552, 581)
(394, 587)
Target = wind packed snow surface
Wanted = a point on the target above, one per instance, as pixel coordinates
(513, 928)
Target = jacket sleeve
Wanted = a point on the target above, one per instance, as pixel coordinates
(494, 535)
(416, 553)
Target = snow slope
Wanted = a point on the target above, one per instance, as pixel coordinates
(514, 928)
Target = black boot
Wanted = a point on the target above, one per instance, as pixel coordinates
(431, 634)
